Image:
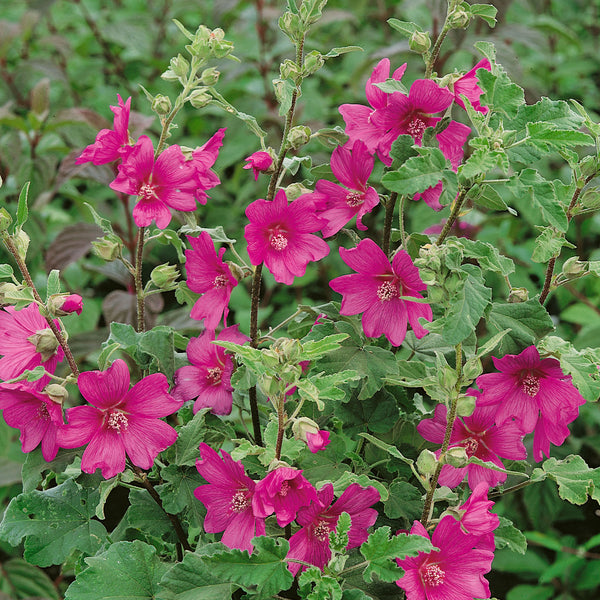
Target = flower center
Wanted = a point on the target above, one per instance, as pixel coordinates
(387, 290)
(433, 575)
(220, 281)
(354, 199)
(213, 375)
(240, 502)
(146, 192)
(117, 421)
(278, 241)
(471, 446)
(531, 385)
(321, 531)
(42, 412)
(285, 488)
(416, 128)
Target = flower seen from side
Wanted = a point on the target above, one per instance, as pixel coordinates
(467, 85)
(119, 421)
(308, 431)
(378, 290)
(203, 158)
(228, 499)
(259, 162)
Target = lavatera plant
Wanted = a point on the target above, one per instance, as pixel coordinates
(351, 450)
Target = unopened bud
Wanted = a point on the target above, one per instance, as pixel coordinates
(61, 305)
(465, 405)
(45, 343)
(574, 268)
(236, 270)
(456, 457)
(164, 276)
(199, 98)
(210, 76)
(459, 19)
(427, 462)
(56, 393)
(7, 292)
(290, 349)
(269, 385)
(518, 295)
(288, 69)
(161, 104)
(107, 248)
(308, 431)
(21, 242)
(472, 369)
(419, 42)
(299, 136)
(312, 62)
(295, 190)
(180, 66)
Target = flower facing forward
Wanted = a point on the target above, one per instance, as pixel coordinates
(26, 341)
(454, 572)
(311, 543)
(228, 499)
(336, 205)
(378, 290)
(481, 438)
(207, 274)
(208, 378)
(169, 182)
(280, 235)
(536, 393)
(119, 421)
(110, 144)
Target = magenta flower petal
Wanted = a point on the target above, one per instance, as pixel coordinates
(468, 86)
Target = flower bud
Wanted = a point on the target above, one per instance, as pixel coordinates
(472, 369)
(456, 457)
(465, 406)
(290, 349)
(419, 42)
(299, 136)
(45, 343)
(308, 431)
(56, 393)
(180, 66)
(518, 295)
(237, 271)
(288, 69)
(269, 385)
(161, 104)
(107, 248)
(210, 76)
(5, 219)
(427, 462)
(574, 268)
(7, 291)
(164, 276)
(312, 63)
(199, 98)
(21, 242)
(459, 19)
(61, 305)
(295, 190)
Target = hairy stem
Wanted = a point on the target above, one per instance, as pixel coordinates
(453, 216)
(387, 225)
(27, 276)
(139, 286)
(449, 426)
(280, 426)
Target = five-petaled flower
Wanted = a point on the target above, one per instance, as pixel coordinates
(379, 291)
(120, 421)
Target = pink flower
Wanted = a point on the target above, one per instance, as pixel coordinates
(454, 572)
(311, 543)
(208, 378)
(27, 342)
(203, 159)
(479, 436)
(317, 441)
(73, 303)
(536, 393)
(110, 144)
(280, 235)
(477, 520)
(359, 125)
(283, 491)
(308, 431)
(169, 182)
(376, 290)
(121, 421)
(207, 274)
(259, 162)
(228, 499)
(38, 417)
(338, 205)
(467, 85)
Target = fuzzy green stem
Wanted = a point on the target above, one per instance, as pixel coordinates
(449, 426)
(387, 224)
(139, 285)
(280, 426)
(27, 276)
(453, 216)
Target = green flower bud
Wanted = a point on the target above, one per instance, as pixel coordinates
(237, 271)
(456, 457)
(56, 393)
(45, 343)
(574, 268)
(302, 426)
(290, 349)
(312, 63)
(472, 369)
(269, 385)
(199, 98)
(299, 136)
(169, 75)
(295, 190)
(427, 463)
(447, 378)
(219, 46)
(180, 66)
(518, 295)
(465, 405)
(7, 291)
(161, 104)
(164, 276)
(21, 242)
(459, 19)
(419, 42)
(288, 69)
(107, 248)
(210, 76)
(5, 219)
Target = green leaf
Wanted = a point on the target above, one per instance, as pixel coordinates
(487, 12)
(284, 90)
(103, 223)
(389, 86)
(177, 493)
(417, 174)
(500, 93)
(480, 162)
(574, 478)
(547, 136)
(487, 196)
(314, 349)
(527, 321)
(126, 571)
(488, 256)
(381, 552)
(405, 502)
(387, 447)
(53, 286)
(487, 49)
(338, 538)
(193, 579)
(6, 271)
(26, 581)
(342, 50)
(35, 466)
(185, 450)
(466, 309)
(327, 388)
(262, 573)
(402, 149)
(22, 210)
(508, 536)
(363, 480)
(54, 523)
(315, 585)
(405, 27)
(549, 245)
(555, 112)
